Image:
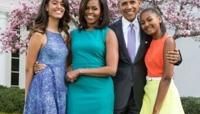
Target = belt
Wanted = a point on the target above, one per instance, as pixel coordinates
(153, 78)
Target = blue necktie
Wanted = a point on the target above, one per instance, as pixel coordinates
(131, 43)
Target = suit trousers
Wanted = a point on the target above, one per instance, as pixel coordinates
(130, 107)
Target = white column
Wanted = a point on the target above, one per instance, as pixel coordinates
(22, 60)
(5, 58)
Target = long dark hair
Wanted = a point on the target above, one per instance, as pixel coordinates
(41, 21)
(104, 16)
(158, 13)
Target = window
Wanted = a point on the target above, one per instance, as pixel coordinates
(15, 69)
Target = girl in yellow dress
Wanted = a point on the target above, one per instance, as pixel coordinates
(161, 95)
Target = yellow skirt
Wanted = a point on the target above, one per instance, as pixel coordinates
(171, 105)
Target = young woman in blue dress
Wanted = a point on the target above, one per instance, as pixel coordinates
(45, 91)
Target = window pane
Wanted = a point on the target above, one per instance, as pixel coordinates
(14, 78)
(15, 64)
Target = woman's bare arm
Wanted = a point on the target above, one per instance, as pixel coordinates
(166, 78)
(112, 57)
(35, 43)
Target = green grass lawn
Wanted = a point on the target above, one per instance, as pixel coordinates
(8, 113)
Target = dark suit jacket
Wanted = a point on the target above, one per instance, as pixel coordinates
(129, 75)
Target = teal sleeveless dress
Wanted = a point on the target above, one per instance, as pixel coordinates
(90, 94)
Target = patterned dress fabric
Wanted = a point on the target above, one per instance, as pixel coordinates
(47, 91)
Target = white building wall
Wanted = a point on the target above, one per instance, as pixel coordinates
(187, 75)
(22, 61)
(5, 58)
(22, 71)
(5, 63)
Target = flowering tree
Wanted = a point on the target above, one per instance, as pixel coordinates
(21, 15)
(181, 16)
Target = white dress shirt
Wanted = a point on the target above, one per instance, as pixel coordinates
(125, 27)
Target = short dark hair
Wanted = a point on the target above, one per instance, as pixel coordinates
(158, 13)
(41, 21)
(104, 16)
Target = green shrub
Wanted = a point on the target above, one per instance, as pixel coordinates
(11, 99)
(191, 105)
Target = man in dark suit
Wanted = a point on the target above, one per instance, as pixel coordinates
(130, 78)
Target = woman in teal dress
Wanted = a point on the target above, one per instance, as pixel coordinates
(94, 61)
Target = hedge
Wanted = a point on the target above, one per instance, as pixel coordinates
(191, 105)
(12, 101)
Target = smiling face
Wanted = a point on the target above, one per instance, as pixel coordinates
(92, 13)
(150, 23)
(55, 9)
(129, 8)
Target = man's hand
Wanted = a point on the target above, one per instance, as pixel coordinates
(173, 56)
(38, 67)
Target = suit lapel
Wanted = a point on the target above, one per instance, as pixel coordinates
(122, 43)
(144, 44)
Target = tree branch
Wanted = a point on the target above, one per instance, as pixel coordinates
(192, 34)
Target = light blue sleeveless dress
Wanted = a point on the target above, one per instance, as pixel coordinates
(47, 91)
(90, 94)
